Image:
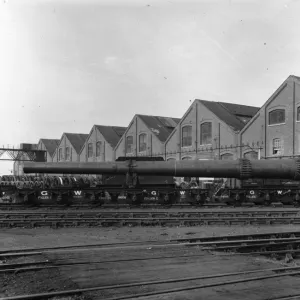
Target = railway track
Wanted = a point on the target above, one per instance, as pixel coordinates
(162, 286)
(280, 272)
(61, 219)
(20, 206)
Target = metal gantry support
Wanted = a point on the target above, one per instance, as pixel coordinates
(23, 154)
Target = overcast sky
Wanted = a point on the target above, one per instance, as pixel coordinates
(66, 65)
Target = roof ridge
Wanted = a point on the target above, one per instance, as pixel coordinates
(240, 104)
(157, 116)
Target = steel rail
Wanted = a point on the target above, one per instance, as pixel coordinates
(154, 221)
(266, 253)
(172, 242)
(13, 206)
(156, 218)
(289, 297)
(234, 214)
(238, 237)
(98, 288)
(16, 268)
(103, 245)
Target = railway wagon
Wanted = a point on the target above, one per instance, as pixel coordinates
(103, 188)
(261, 181)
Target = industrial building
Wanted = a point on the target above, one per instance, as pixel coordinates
(208, 130)
(69, 147)
(100, 143)
(48, 145)
(145, 136)
(18, 164)
(275, 129)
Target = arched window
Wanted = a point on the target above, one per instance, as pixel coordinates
(186, 158)
(60, 154)
(129, 144)
(68, 153)
(142, 142)
(98, 149)
(251, 155)
(206, 133)
(186, 136)
(277, 147)
(227, 156)
(171, 158)
(90, 149)
(276, 116)
(298, 113)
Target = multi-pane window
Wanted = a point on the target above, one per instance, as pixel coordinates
(171, 158)
(227, 156)
(251, 155)
(98, 149)
(90, 149)
(187, 136)
(187, 158)
(67, 153)
(129, 144)
(206, 133)
(142, 142)
(277, 148)
(298, 113)
(60, 154)
(276, 116)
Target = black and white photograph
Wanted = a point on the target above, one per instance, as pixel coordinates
(150, 149)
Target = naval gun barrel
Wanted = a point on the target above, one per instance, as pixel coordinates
(240, 169)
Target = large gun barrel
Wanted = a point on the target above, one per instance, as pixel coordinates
(240, 169)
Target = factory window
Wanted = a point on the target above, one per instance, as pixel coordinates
(205, 133)
(60, 154)
(67, 153)
(227, 156)
(98, 149)
(251, 155)
(90, 149)
(129, 144)
(277, 147)
(298, 113)
(276, 116)
(187, 158)
(187, 136)
(142, 142)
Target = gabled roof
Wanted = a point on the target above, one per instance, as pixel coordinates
(112, 134)
(77, 140)
(50, 145)
(160, 126)
(291, 78)
(234, 115)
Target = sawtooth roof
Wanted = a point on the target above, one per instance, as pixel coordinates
(234, 115)
(50, 145)
(112, 134)
(160, 126)
(77, 140)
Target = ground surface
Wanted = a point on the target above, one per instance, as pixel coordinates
(47, 237)
(114, 273)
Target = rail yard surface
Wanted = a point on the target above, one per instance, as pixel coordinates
(143, 259)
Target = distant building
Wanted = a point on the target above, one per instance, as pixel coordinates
(69, 146)
(48, 145)
(18, 164)
(100, 143)
(145, 136)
